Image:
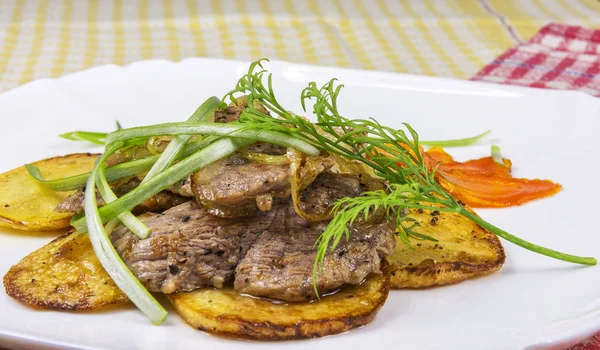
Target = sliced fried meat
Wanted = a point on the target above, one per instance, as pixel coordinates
(188, 248)
(280, 264)
(183, 187)
(233, 112)
(157, 203)
(327, 189)
(128, 154)
(266, 148)
(236, 186)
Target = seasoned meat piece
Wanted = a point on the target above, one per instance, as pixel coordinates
(266, 148)
(127, 155)
(327, 189)
(183, 187)
(188, 248)
(280, 264)
(236, 186)
(74, 203)
(232, 113)
(157, 203)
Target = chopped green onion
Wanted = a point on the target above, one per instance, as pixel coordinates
(469, 141)
(233, 129)
(111, 225)
(525, 244)
(217, 150)
(496, 155)
(110, 259)
(166, 158)
(134, 224)
(175, 146)
(97, 138)
(115, 172)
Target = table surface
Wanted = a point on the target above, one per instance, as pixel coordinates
(40, 39)
(43, 39)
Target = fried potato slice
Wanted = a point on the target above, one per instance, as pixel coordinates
(64, 274)
(464, 249)
(226, 312)
(28, 205)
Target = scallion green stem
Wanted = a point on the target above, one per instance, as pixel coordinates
(116, 172)
(166, 158)
(175, 146)
(110, 259)
(134, 224)
(235, 130)
(528, 245)
(469, 141)
(496, 155)
(217, 150)
(92, 137)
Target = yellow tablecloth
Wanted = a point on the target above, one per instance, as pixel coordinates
(456, 38)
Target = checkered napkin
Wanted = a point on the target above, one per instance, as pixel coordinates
(591, 344)
(559, 56)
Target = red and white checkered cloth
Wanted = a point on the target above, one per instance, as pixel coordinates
(559, 56)
(591, 344)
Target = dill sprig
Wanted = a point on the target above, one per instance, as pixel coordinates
(393, 154)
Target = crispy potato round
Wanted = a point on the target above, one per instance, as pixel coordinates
(28, 205)
(64, 274)
(463, 250)
(227, 312)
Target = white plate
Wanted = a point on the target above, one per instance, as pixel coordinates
(532, 301)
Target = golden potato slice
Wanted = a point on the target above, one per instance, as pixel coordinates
(64, 274)
(463, 250)
(226, 312)
(28, 205)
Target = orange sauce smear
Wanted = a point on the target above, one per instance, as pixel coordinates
(483, 183)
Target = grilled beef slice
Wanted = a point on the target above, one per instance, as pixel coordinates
(236, 186)
(232, 113)
(188, 248)
(211, 185)
(327, 189)
(157, 203)
(280, 264)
